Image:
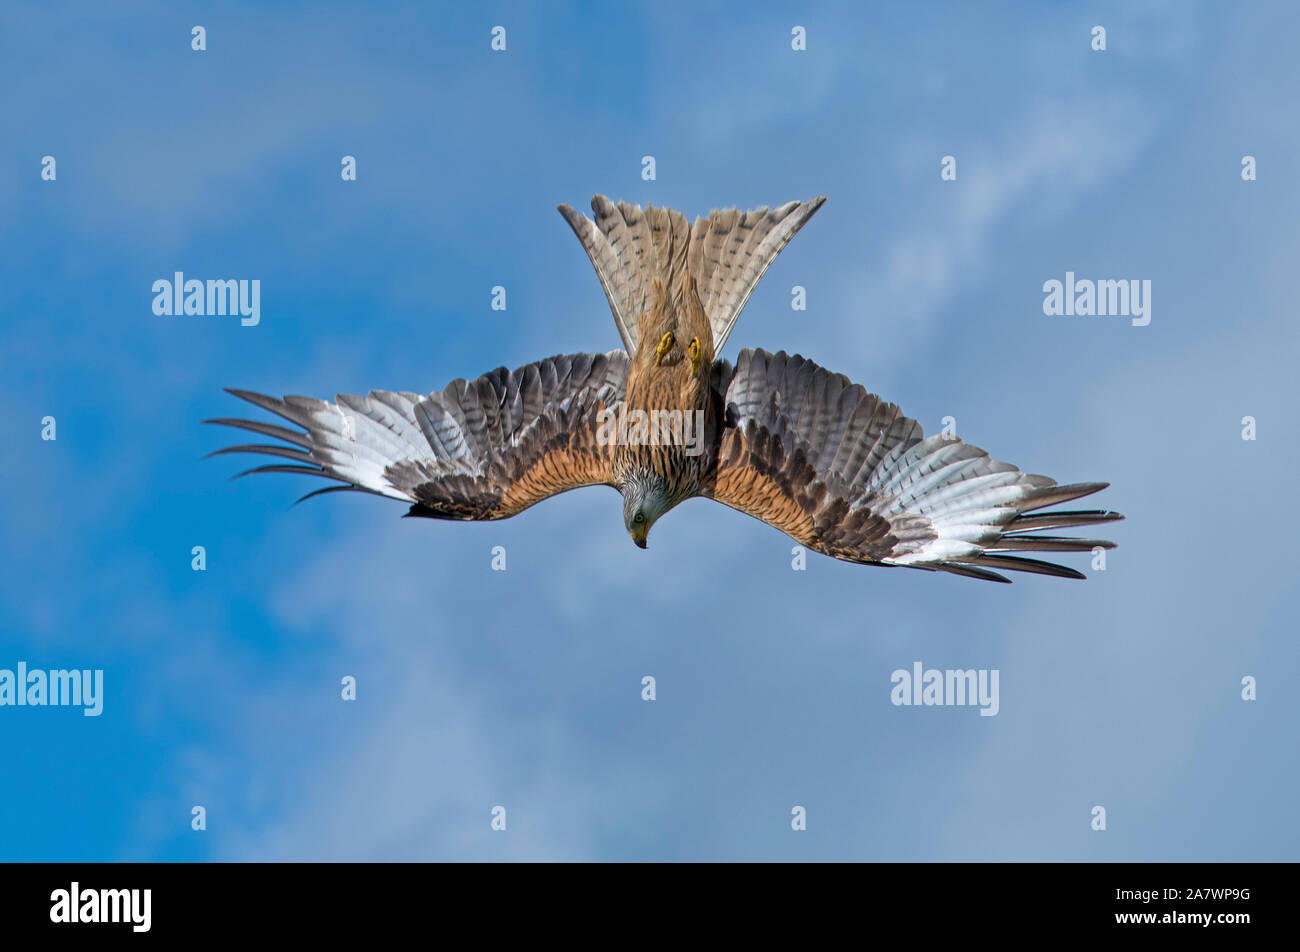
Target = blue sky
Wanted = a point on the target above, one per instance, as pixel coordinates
(522, 688)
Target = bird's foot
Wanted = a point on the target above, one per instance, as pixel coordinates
(665, 345)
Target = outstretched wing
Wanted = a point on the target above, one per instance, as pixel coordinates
(846, 474)
(482, 449)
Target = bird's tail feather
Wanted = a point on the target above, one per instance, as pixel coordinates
(731, 250)
(726, 253)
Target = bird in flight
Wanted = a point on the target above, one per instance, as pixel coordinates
(838, 469)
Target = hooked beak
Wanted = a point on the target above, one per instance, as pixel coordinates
(638, 536)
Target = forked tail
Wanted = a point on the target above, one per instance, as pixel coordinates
(727, 253)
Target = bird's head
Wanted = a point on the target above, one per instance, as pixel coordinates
(645, 499)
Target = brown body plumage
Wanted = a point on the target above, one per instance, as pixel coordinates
(668, 380)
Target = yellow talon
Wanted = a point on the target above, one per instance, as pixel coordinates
(694, 351)
(665, 345)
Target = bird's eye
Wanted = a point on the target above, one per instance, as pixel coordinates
(639, 517)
